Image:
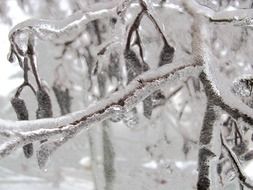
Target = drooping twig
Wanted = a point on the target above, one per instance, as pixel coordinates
(26, 81)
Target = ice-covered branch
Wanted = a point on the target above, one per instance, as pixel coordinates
(121, 101)
(65, 30)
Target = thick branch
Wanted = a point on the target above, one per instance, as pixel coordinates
(118, 102)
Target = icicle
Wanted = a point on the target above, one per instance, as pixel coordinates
(44, 105)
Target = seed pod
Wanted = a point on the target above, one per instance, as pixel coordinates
(166, 55)
(133, 64)
(22, 114)
(63, 98)
(20, 108)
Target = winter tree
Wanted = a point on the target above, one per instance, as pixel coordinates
(127, 94)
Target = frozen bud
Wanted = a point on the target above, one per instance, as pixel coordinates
(133, 64)
(20, 108)
(166, 55)
(22, 114)
(44, 105)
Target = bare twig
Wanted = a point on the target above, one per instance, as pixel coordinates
(30, 54)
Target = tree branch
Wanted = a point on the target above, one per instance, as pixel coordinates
(61, 31)
(222, 96)
(121, 101)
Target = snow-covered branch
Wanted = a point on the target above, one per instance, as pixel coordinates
(222, 95)
(119, 102)
(218, 95)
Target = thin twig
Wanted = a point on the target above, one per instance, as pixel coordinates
(26, 80)
(31, 56)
